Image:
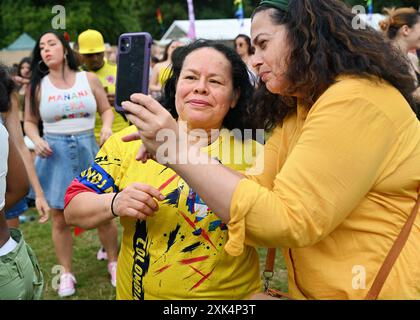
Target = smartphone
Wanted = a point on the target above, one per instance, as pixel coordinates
(133, 66)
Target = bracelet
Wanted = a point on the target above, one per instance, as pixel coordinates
(112, 205)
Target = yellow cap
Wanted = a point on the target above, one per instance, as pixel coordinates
(90, 41)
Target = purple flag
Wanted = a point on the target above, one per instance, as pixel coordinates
(191, 30)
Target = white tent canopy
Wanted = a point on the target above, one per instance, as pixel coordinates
(212, 29)
(373, 20)
(228, 29)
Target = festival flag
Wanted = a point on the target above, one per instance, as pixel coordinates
(191, 30)
(370, 8)
(239, 13)
(159, 19)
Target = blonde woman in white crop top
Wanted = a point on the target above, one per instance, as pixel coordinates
(66, 101)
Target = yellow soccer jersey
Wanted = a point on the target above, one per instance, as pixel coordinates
(179, 253)
(107, 75)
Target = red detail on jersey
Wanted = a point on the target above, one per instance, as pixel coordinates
(192, 260)
(163, 186)
(162, 269)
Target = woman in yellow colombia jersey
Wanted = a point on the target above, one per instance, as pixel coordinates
(173, 247)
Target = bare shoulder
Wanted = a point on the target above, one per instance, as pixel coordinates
(91, 76)
(93, 79)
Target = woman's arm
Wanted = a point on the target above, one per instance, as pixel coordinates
(88, 201)
(104, 109)
(89, 209)
(17, 184)
(13, 127)
(31, 129)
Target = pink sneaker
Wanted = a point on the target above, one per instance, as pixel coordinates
(67, 282)
(101, 255)
(112, 270)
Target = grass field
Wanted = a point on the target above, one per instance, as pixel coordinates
(93, 281)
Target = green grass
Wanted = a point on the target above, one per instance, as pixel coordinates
(93, 281)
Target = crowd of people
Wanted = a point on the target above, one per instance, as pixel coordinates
(339, 180)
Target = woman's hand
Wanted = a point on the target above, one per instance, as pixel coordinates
(105, 133)
(137, 201)
(150, 118)
(43, 209)
(42, 148)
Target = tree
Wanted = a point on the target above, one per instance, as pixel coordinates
(34, 17)
(113, 17)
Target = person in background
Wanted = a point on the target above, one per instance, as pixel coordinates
(22, 80)
(341, 170)
(162, 70)
(174, 250)
(11, 121)
(20, 274)
(66, 100)
(402, 27)
(244, 48)
(111, 54)
(91, 47)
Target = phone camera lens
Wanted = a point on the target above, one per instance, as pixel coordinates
(125, 45)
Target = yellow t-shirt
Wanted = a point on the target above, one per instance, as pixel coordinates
(107, 75)
(338, 185)
(178, 253)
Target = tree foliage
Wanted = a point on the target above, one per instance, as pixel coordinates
(113, 17)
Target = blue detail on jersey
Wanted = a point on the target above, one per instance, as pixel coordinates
(97, 179)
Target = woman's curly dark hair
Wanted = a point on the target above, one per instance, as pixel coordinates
(236, 118)
(6, 88)
(323, 45)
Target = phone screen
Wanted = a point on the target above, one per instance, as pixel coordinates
(133, 66)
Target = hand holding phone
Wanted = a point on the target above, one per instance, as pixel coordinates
(133, 66)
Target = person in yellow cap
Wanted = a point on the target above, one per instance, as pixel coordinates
(92, 50)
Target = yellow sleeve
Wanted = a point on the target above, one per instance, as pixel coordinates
(332, 166)
(273, 158)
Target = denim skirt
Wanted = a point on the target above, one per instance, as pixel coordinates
(71, 155)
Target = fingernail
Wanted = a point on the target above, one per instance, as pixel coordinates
(161, 197)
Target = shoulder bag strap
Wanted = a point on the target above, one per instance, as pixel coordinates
(392, 255)
(269, 273)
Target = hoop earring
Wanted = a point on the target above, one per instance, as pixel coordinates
(40, 63)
